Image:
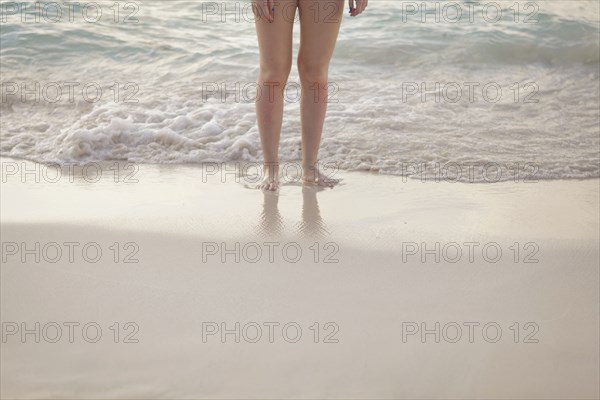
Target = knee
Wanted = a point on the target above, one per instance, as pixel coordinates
(311, 73)
(275, 72)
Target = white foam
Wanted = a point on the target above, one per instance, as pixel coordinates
(370, 126)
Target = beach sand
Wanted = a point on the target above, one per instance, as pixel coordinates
(341, 310)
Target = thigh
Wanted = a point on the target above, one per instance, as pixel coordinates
(275, 39)
(320, 22)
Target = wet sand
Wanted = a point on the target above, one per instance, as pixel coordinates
(219, 291)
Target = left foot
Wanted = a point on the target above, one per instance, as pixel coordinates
(316, 178)
(270, 182)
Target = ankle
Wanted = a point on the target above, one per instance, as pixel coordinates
(271, 168)
(310, 171)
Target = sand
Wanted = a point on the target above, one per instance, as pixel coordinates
(341, 319)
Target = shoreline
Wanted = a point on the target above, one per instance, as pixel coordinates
(426, 172)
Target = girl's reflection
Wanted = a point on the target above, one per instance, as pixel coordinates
(312, 226)
(271, 223)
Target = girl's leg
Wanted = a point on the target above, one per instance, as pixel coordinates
(275, 46)
(320, 22)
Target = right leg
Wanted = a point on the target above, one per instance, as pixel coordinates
(275, 46)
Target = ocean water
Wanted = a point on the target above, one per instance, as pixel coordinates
(505, 83)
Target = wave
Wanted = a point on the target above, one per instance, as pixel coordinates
(171, 53)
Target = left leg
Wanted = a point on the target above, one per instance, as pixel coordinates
(320, 22)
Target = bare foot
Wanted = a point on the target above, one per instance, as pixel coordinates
(269, 185)
(270, 182)
(313, 177)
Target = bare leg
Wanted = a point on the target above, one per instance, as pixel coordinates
(320, 24)
(275, 45)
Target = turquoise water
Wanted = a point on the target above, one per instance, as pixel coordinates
(159, 66)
